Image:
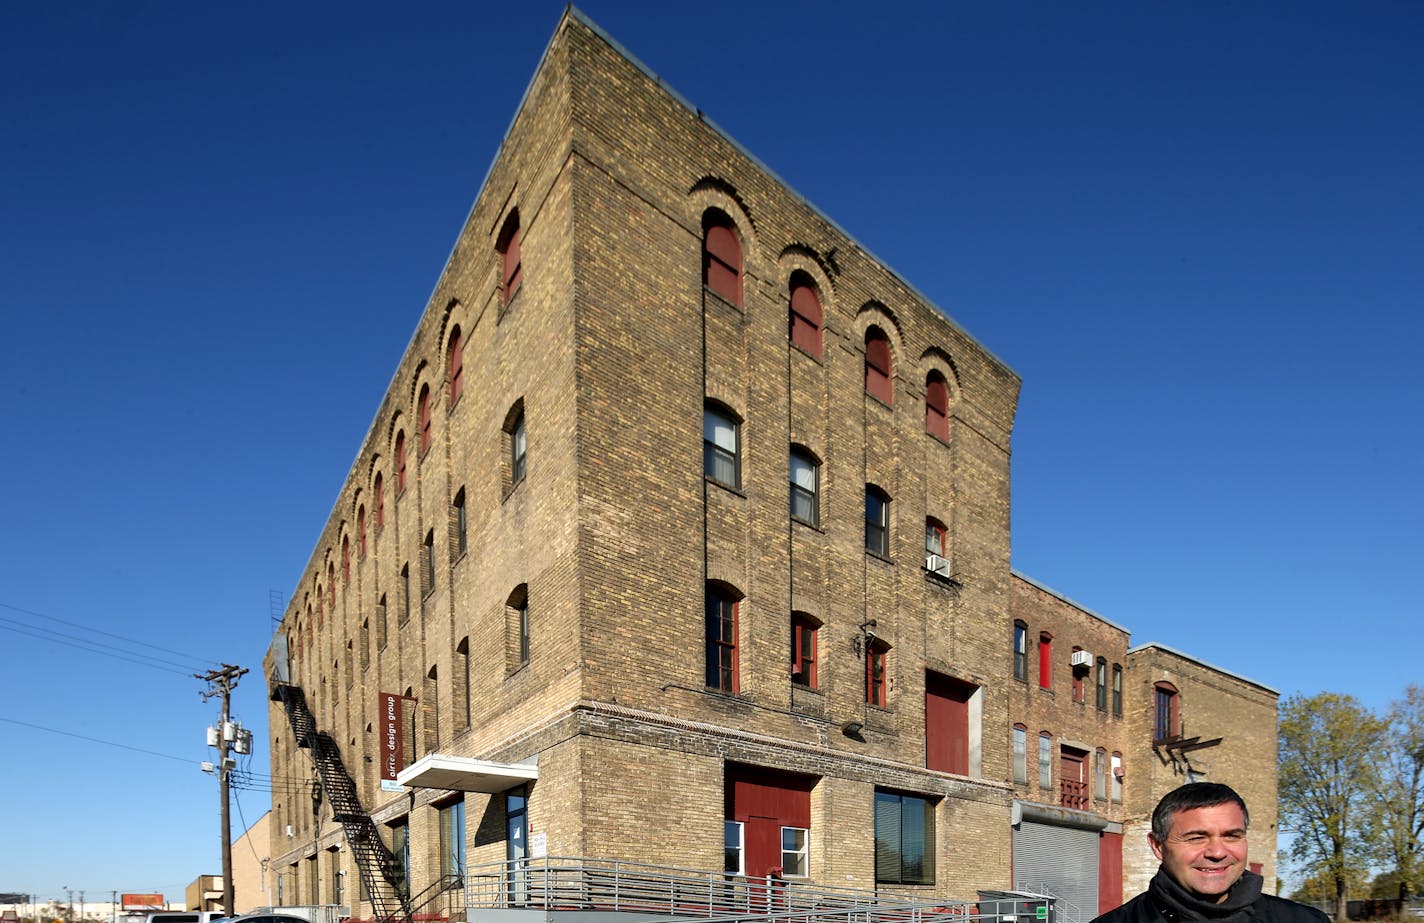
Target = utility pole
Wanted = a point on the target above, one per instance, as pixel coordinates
(221, 682)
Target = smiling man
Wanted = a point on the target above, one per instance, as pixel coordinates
(1199, 836)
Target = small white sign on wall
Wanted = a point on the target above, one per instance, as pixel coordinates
(538, 845)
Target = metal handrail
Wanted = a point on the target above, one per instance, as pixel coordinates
(557, 883)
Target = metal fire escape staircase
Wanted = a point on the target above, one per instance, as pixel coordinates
(381, 871)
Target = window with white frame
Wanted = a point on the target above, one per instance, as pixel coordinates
(733, 851)
(794, 842)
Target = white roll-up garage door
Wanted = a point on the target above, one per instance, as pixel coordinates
(1061, 861)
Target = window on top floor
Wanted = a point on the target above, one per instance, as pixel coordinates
(361, 533)
(1166, 719)
(331, 586)
(721, 445)
(806, 314)
(379, 498)
(512, 267)
(877, 521)
(1117, 690)
(460, 521)
(426, 431)
(879, 366)
(804, 630)
(721, 256)
(937, 405)
(805, 487)
(1020, 650)
(345, 559)
(721, 637)
(455, 368)
(1101, 684)
(1045, 660)
(1077, 674)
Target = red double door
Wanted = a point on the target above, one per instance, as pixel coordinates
(764, 801)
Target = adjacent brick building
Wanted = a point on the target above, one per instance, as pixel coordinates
(550, 615)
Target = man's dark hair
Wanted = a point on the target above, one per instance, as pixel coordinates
(1190, 796)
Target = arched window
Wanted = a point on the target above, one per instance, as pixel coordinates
(1117, 690)
(1020, 753)
(1166, 718)
(1045, 760)
(721, 256)
(879, 366)
(1077, 672)
(400, 463)
(456, 367)
(361, 533)
(507, 244)
(875, 651)
(1020, 650)
(1045, 660)
(425, 421)
(379, 494)
(806, 314)
(1101, 684)
(1100, 775)
(516, 628)
(936, 547)
(721, 637)
(721, 445)
(804, 630)
(331, 585)
(937, 406)
(877, 521)
(345, 559)
(805, 487)
(516, 439)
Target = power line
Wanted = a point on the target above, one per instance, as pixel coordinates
(91, 648)
(88, 629)
(96, 740)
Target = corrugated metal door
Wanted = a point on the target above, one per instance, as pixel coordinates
(1061, 861)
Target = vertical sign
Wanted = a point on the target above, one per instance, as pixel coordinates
(392, 735)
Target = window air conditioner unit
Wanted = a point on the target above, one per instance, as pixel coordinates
(1082, 659)
(936, 564)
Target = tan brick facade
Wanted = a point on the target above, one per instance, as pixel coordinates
(604, 359)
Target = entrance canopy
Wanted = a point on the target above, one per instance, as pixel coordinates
(464, 774)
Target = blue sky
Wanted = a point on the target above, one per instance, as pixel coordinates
(1196, 231)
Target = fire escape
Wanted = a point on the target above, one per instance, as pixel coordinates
(380, 869)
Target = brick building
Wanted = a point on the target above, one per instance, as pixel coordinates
(1101, 731)
(550, 617)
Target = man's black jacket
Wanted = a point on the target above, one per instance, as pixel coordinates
(1265, 909)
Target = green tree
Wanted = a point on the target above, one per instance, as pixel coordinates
(1397, 821)
(1329, 748)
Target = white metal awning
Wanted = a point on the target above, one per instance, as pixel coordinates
(464, 774)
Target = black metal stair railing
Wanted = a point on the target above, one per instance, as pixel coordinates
(381, 871)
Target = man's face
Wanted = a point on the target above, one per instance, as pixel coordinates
(1205, 850)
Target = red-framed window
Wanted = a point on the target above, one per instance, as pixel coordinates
(721, 637)
(400, 463)
(507, 244)
(721, 256)
(1020, 650)
(804, 631)
(879, 366)
(425, 420)
(456, 369)
(1166, 718)
(1078, 679)
(875, 652)
(806, 315)
(345, 559)
(937, 406)
(379, 494)
(361, 533)
(1045, 660)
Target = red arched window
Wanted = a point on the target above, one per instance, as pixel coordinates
(400, 463)
(346, 559)
(361, 533)
(1045, 660)
(721, 257)
(378, 490)
(937, 406)
(425, 435)
(878, 366)
(508, 246)
(456, 367)
(806, 315)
